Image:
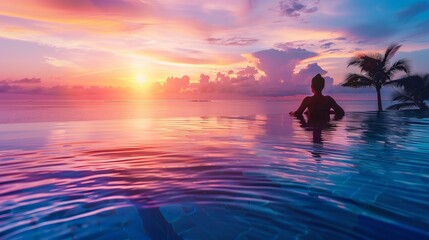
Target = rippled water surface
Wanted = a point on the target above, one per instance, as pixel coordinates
(257, 176)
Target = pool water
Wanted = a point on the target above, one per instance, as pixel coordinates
(259, 176)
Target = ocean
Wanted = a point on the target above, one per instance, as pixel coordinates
(210, 170)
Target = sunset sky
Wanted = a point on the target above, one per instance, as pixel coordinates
(248, 47)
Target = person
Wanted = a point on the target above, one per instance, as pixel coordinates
(318, 106)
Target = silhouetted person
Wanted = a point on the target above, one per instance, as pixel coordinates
(319, 106)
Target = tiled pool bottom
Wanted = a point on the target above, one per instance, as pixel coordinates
(253, 177)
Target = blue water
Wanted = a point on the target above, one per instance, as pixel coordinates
(257, 176)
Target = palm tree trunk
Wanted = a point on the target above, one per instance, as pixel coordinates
(380, 107)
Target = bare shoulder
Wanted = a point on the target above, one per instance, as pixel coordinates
(307, 98)
(330, 98)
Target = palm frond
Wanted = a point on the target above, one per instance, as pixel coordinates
(357, 81)
(414, 85)
(400, 65)
(354, 61)
(370, 64)
(390, 52)
(375, 55)
(401, 97)
(404, 105)
(401, 81)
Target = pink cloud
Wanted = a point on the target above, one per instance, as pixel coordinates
(279, 78)
(189, 57)
(294, 8)
(234, 41)
(249, 70)
(75, 8)
(204, 79)
(278, 65)
(175, 84)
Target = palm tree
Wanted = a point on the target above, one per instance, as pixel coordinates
(413, 92)
(376, 70)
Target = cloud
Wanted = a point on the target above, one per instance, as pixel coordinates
(26, 87)
(90, 15)
(244, 82)
(340, 38)
(324, 43)
(56, 62)
(278, 80)
(204, 79)
(302, 78)
(297, 84)
(78, 8)
(278, 65)
(117, 26)
(22, 81)
(293, 44)
(175, 84)
(234, 41)
(189, 57)
(294, 8)
(327, 45)
(413, 10)
(337, 50)
(248, 71)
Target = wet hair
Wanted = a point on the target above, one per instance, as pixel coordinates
(318, 83)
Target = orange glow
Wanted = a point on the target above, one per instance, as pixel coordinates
(141, 79)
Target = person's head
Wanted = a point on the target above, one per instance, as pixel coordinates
(317, 83)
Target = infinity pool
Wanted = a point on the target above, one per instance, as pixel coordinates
(232, 177)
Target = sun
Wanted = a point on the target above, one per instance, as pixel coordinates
(141, 79)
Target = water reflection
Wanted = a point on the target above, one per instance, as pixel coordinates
(318, 134)
(227, 177)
